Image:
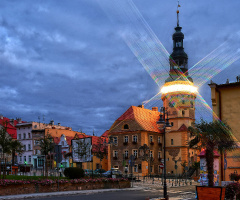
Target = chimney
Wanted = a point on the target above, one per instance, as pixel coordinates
(1, 117)
(59, 124)
(19, 120)
(141, 106)
(154, 108)
(11, 121)
(51, 122)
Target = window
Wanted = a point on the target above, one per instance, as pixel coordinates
(159, 155)
(125, 126)
(19, 136)
(151, 138)
(29, 135)
(135, 169)
(126, 139)
(29, 159)
(151, 168)
(172, 123)
(115, 140)
(20, 158)
(135, 138)
(40, 162)
(135, 153)
(191, 104)
(24, 147)
(25, 158)
(29, 146)
(183, 113)
(24, 135)
(126, 154)
(151, 154)
(159, 140)
(36, 142)
(159, 169)
(115, 154)
(171, 141)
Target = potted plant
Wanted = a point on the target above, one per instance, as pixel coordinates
(211, 136)
(234, 177)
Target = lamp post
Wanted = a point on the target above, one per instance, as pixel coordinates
(164, 125)
(111, 142)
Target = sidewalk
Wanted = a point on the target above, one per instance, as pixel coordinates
(65, 193)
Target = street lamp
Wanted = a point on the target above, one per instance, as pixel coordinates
(163, 124)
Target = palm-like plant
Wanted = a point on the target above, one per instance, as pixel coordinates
(15, 147)
(212, 136)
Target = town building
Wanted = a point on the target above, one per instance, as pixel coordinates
(30, 134)
(136, 127)
(226, 105)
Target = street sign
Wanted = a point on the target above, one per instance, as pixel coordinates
(162, 161)
(161, 165)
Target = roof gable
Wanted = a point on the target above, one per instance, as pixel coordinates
(137, 119)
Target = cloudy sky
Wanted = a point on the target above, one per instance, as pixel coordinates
(65, 60)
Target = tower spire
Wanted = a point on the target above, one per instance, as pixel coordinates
(178, 13)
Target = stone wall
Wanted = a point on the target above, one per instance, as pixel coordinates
(38, 188)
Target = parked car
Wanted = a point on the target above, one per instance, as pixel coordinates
(88, 172)
(99, 171)
(113, 172)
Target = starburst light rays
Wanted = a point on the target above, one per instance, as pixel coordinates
(215, 62)
(139, 37)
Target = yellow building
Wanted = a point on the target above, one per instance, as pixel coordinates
(226, 105)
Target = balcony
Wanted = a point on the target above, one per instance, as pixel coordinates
(115, 157)
(134, 142)
(151, 143)
(125, 143)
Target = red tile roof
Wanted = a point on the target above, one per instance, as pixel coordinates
(11, 129)
(138, 119)
(105, 134)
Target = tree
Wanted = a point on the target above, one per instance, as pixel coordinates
(15, 147)
(212, 136)
(100, 149)
(46, 145)
(81, 150)
(5, 141)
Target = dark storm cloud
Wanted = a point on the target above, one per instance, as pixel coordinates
(66, 60)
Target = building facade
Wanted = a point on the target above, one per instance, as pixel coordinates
(135, 128)
(226, 105)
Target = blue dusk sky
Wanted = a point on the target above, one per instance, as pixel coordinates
(65, 60)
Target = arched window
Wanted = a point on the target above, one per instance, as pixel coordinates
(126, 126)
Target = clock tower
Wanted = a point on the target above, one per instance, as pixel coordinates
(178, 96)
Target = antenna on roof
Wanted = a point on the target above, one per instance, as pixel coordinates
(39, 120)
(93, 132)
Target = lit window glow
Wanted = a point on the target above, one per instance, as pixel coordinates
(178, 88)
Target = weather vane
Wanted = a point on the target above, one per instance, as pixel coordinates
(178, 13)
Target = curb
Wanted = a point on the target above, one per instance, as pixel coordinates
(50, 194)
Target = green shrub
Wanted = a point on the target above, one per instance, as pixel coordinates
(74, 172)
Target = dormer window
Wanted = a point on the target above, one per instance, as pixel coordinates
(126, 126)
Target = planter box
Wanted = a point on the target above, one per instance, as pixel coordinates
(213, 193)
